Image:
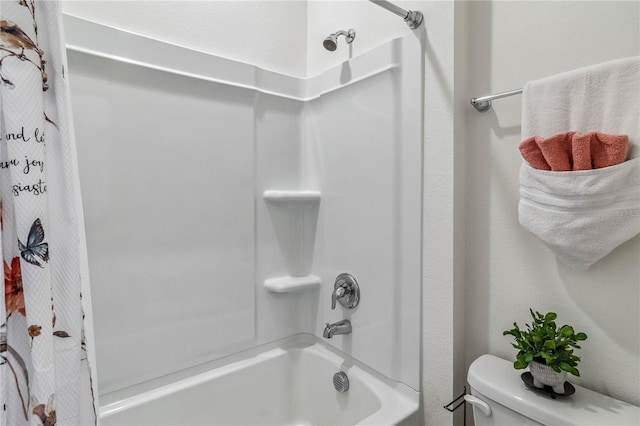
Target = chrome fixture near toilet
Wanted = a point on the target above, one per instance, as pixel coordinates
(340, 327)
(341, 382)
(346, 291)
(331, 42)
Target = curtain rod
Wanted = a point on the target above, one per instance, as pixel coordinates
(413, 18)
(483, 103)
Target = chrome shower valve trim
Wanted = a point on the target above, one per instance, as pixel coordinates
(346, 291)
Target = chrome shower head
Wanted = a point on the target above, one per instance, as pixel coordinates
(331, 42)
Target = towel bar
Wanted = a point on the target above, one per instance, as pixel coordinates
(483, 103)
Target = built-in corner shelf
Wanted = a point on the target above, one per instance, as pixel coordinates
(292, 284)
(291, 196)
(294, 214)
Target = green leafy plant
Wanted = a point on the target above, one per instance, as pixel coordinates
(543, 342)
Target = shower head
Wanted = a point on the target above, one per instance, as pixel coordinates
(331, 42)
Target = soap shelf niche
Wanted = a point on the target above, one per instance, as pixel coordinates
(294, 214)
(292, 196)
(292, 284)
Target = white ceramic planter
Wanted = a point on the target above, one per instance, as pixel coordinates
(545, 375)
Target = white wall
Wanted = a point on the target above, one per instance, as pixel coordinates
(271, 34)
(180, 238)
(271, 42)
(443, 367)
(374, 26)
(507, 269)
(138, 242)
(278, 35)
(440, 356)
(508, 43)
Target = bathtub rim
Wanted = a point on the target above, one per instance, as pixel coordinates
(406, 405)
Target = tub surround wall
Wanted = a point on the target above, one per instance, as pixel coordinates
(374, 26)
(149, 224)
(497, 253)
(206, 178)
(365, 147)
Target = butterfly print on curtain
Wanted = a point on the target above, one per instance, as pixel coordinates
(35, 248)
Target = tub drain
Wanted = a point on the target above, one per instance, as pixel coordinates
(341, 382)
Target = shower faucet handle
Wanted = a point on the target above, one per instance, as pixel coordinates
(338, 293)
(346, 291)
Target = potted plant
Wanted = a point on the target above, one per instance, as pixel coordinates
(547, 350)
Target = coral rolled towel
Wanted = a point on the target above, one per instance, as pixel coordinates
(572, 151)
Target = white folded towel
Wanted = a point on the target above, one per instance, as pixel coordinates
(584, 215)
(600, 98)
(581, 215)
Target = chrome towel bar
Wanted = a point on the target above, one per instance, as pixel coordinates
(483, 103)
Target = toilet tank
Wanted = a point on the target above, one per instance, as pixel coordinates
(496, 383)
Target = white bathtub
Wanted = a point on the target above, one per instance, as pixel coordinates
(285, 383)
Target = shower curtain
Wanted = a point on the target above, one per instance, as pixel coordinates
(44, 373)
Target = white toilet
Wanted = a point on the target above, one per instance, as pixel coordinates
(500, 398)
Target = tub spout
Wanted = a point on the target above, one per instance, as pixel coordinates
(340, 327)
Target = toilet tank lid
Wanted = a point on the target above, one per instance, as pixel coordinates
(496, 379)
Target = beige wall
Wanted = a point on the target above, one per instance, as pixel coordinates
(508, 270)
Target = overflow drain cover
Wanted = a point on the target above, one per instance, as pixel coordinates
(341, 382)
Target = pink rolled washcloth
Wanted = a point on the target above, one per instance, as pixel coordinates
(571, 151)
